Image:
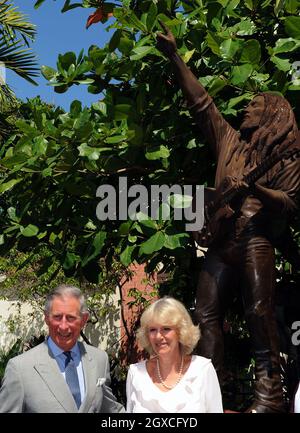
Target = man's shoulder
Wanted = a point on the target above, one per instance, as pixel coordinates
(92, 350)
(30, 354)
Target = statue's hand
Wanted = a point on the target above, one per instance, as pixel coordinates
(165, 41)
(232, 182)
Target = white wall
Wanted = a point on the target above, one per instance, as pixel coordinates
(24, 321)
(18, 321)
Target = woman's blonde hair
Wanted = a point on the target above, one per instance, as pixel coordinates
(167, 311)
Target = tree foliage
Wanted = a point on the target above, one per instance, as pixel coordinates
(15, 34)
(138, 127)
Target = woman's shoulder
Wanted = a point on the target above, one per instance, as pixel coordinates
(138, 366)
(199, 368)
(200, 362)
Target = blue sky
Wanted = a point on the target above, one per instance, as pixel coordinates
(57, 33)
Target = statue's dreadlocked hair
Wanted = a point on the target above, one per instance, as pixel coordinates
(277, 130)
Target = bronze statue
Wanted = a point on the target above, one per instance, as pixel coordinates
(241, 245)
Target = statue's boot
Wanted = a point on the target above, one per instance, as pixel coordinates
(258, 296)
(268, 396)
(268, 391)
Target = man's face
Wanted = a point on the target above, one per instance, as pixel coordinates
(65, 321)
(253, 113)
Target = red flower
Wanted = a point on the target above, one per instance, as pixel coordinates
(97, 16)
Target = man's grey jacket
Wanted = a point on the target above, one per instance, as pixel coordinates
(34, 383)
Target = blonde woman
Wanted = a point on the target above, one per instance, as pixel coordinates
(171, 380)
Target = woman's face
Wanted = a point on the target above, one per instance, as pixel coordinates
(164, 339)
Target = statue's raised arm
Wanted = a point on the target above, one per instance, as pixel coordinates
(189, 84)
(207, 116)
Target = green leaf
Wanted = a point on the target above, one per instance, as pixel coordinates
(282, 64)
(15, 162)
(68, 6)
(83, 68)
(70, 260)
(132, 239)
(8, 185)
(125, 45)
(144, 41)
(75, 108)
(140, 52)
(67, 59)
(249, 4)
(95, 248)
(292, 26)
(251, 52)
(48, 73)
(91, 153)
(279, 6)
(82, 120)
(38, 3)
(11, 211)
(115, 139)
(42, 235)
(245, 28)
(140, 216)
(85, 81)
(292, 6)
(260, 78)
(191, 144)
(216, 86)
(286, 45)
(157, 152)
(29, 231)
(27, 128)
(115, 40)
(39, 146)
(232, 4)
(100, 106)
(149, 223)
(126, 255)
(207, 80)
(151, 17)
(176, 241)
(144, 222)
(122, 111)
(214, 42)
(47, 172)
(129, 18)
(154, 243)
(135, 134)
(124, 228)
(241, 73)
(187, 55)
(234, 101)
(229, 48)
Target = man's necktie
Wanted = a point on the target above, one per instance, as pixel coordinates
(72, 378)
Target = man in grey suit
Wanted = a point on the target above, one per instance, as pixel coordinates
(60, 375)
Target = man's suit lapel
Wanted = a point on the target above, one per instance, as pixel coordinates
(48, 369)
(89, 371)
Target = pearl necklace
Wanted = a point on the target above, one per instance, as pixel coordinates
(178, 378)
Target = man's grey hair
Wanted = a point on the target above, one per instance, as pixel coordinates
(65, 290)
